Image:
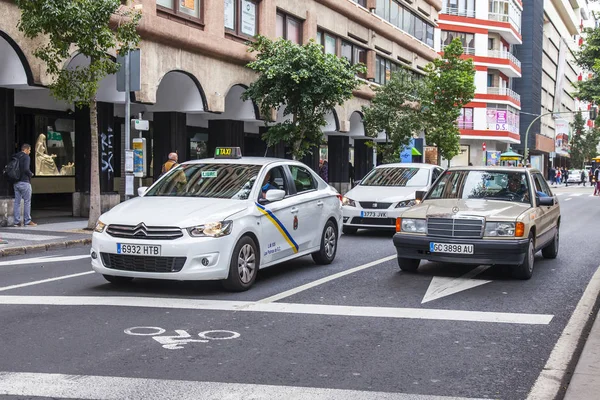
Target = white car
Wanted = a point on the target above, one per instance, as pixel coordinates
(383, 194)
(575, 176)
(211, 220)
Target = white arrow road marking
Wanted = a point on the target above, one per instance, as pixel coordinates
(443, 286)
(36, 260)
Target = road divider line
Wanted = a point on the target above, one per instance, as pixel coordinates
(321, 281)
(43, 260)
(58, 278)
(570, 198)
(116, 388)
(284, 308)
(551, 380)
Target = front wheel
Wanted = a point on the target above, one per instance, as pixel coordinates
(118, 280)
(525, 270)
(408, 264)
(326, 253)
(551, 251)
(243, 267)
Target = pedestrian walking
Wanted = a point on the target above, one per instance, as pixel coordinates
(566, 177)
(324, 170)
(558, 173)
(171, 162)
(591, 177)
(597, 180)
(22, 187)
(583, 177)
(552, 176)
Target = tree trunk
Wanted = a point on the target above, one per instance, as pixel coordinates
(95, 206)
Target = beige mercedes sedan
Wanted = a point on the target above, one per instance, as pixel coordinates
(481, 215)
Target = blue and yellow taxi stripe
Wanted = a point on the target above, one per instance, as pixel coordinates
(280, 227)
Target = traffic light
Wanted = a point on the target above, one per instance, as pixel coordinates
(593, 113)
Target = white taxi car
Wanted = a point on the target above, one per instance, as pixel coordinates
(384, 194)
(219, 219)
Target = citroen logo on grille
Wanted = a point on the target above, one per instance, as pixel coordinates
(140, 230)
(374, 205)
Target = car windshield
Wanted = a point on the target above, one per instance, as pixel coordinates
(397, 176)
(219, 181)
(487, 185)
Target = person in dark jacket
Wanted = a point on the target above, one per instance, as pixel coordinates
(23, 188)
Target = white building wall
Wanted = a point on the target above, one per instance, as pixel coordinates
(481, 44)
(481, 81)
(481, 9)
(479, 119)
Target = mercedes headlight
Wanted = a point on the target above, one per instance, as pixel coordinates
(406, 203)
(100, 226)
(496, 229)
(348, 202)
(414, 225)
(212, 229)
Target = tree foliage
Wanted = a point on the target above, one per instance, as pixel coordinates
(449, 85)
(395, 111)
(303, 80)
(82, 26)
(584, 142)
(588, 58)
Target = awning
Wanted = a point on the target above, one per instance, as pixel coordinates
(415, 152)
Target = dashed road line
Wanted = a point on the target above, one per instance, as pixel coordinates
(43, 260)
(58, 278)
(116, 388)
(284, 308)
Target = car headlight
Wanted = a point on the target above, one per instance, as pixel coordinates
(100, 226)
(495, 229)
(406, 203)
(414, 225)
(212, 229)
(348, 202)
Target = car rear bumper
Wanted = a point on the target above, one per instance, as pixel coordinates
(490, 252)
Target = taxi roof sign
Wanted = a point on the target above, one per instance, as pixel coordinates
(228, 152)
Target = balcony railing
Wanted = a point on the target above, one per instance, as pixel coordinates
(506, 55)
(465, 125)
(504, 18)
(466, 50)
(504, 92)
(459, 12)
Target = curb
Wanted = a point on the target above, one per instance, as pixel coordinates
(18, 251)
(553, 380)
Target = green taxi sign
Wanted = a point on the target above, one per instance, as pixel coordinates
(228, 152)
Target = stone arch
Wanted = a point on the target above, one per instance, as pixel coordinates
(235, 108)
(14, 65)
(180, 91)
(357, 127)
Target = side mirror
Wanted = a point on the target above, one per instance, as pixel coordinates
(545, 201)
(142, 190)
(274, 195)
(419, 195)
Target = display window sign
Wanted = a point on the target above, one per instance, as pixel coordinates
(229, 14)
(248, 18)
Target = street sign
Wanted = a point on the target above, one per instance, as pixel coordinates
(134, 71)
(139, 157)
(140, 124)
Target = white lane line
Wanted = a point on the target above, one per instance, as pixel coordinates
(568, 199)
(560, 194)
(58, 278)
(118, 388)
(576, 194)
(44, 260)
(289, 308)
(552, 378)
(321, 281)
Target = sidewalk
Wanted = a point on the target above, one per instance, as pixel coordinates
(55, 233)
(585, 382)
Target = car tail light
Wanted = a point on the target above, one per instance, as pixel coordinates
(520, 229)
(398, 224)
(339, 196)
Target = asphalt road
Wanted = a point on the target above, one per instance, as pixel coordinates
(374, 332)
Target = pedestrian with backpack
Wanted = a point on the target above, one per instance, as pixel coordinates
(18, 172)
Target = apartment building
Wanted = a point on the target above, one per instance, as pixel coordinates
(489, 30)
(551, 33)
(193, 57)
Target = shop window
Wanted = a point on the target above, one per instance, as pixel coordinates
(54, 151)
(289, 28)
(182, 8)
(241, 17)
(465, 121)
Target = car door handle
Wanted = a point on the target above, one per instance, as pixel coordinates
(320, 203)
(294, 210)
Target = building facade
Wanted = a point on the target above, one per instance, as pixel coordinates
(193, 57)
(550, 37)
(489, 30)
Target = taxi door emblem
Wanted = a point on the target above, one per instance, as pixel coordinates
(455, 210)
(295, 222)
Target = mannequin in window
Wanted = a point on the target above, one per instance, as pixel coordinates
(44, 163)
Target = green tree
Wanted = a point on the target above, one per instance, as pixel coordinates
(395, 111)
(303, 80)
(449, 85)
(592, 140)
(588, 58)
(578, 141)
(83, 26)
